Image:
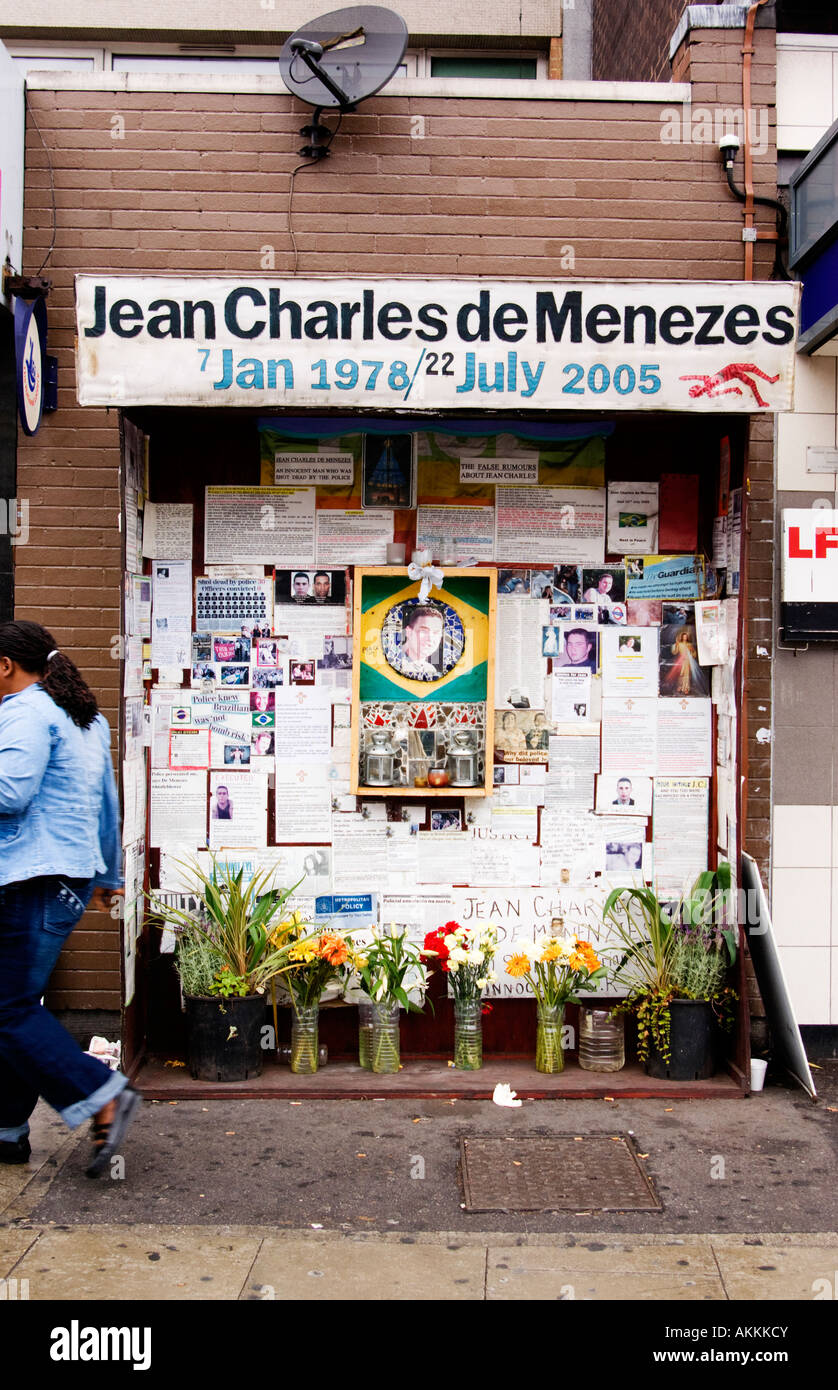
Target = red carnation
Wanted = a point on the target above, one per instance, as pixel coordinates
(435, 943)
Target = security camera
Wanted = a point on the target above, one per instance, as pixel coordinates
(728, 148)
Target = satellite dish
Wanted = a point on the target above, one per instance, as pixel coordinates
(343, 57)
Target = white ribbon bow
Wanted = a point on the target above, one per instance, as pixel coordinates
(431, 577)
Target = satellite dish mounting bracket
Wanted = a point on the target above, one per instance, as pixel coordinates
(319, 147)
(310, 52)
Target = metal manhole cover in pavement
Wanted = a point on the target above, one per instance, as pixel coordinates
(583, 1173)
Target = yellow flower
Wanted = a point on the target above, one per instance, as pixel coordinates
(303, 951)
(552, 950)
(517, 966)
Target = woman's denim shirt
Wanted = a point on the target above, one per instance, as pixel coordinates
(59, 812)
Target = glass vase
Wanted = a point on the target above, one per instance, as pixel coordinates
(384, 1038)
(468, 1034)
(304, 1041)
(365, 1034)
(549, 1056)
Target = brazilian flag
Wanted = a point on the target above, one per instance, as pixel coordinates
(469, 596)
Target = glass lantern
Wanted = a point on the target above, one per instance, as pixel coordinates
(379, 761)
(462, 760)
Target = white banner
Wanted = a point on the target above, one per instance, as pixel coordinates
(436, 344)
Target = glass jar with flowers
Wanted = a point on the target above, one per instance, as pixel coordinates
(558, 969)
(314, 961)
(390, 974)
(466, 955)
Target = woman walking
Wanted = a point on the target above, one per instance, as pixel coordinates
(59, 848)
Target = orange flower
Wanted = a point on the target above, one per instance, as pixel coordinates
(332, 948)
(577, 962)
(518, 966)
(588, 953)
(552, 951)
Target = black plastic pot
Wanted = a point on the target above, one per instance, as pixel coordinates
(224, 1037)
(691, 1043)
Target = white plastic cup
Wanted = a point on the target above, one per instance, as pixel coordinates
(395, 552)
(758, 1070)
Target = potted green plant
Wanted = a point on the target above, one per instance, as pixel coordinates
(228, 949)
(675, 963)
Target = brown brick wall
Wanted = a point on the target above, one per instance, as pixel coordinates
(199, 185)
(631, 39)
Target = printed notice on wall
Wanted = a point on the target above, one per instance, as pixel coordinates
(629, 734)
(303, 806)
(259, 524)
(324, 469)
(567, 523)
(630, 661)
(178, 808)
(167, 530)
(684, 743)
(632, 518)
(523, 469)
(520, 668)
(353, 537)
(457, 534)
(680, 829)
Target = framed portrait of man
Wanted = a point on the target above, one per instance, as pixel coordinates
(423, 661)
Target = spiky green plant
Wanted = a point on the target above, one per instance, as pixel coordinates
(677, 954)
(236, 941)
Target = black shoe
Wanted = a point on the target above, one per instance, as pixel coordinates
(108, 1137)
(15, 1150)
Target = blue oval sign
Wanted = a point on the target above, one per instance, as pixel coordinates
(30, 350)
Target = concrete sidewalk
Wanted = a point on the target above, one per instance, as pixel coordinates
(247, 1200)
(235, 1262)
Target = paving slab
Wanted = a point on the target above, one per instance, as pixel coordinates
(14, 1242)
(773, 1272)
(686, 1259)
(358, 1270)
(137, 1263)
(560, 1285)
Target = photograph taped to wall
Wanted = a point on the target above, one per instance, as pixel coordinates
(262, 700)
(578, 647)
(310, 586)
(522, 736)
(605, 588)
(567, 584)
(388, 471)
(268, 678)
(266, 651)
(680, 673)
(514, 582)
(235, 674)
(623, 793)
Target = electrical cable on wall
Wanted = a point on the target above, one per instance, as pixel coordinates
(51, 182)
(308, 164)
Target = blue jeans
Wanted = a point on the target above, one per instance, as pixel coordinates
(37, 1056)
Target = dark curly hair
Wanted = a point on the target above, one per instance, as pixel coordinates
(30, 645)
